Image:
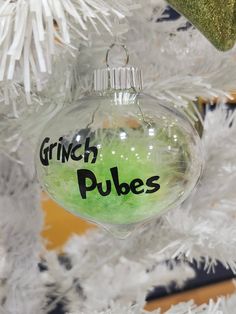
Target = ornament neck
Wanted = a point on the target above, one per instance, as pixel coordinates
(119, 97)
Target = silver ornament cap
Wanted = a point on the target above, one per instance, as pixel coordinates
(118, 78)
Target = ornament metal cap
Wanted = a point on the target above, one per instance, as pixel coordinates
(117, 78)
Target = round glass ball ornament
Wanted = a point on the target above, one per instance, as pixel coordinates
(118, 157)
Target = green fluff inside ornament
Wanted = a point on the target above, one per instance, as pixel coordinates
(135, 156)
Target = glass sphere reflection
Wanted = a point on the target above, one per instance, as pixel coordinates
(119, 158)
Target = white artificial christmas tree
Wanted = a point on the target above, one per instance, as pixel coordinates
(41, 42)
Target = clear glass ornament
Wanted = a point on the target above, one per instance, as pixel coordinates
(118, 157)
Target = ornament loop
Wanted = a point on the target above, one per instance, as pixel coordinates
(119, 45)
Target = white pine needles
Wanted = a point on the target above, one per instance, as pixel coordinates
(31, 32)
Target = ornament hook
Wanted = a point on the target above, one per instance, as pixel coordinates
(119, 45)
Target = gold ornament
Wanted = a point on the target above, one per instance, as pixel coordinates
(215, 19)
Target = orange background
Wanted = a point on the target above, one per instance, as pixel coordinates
(59, 224)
